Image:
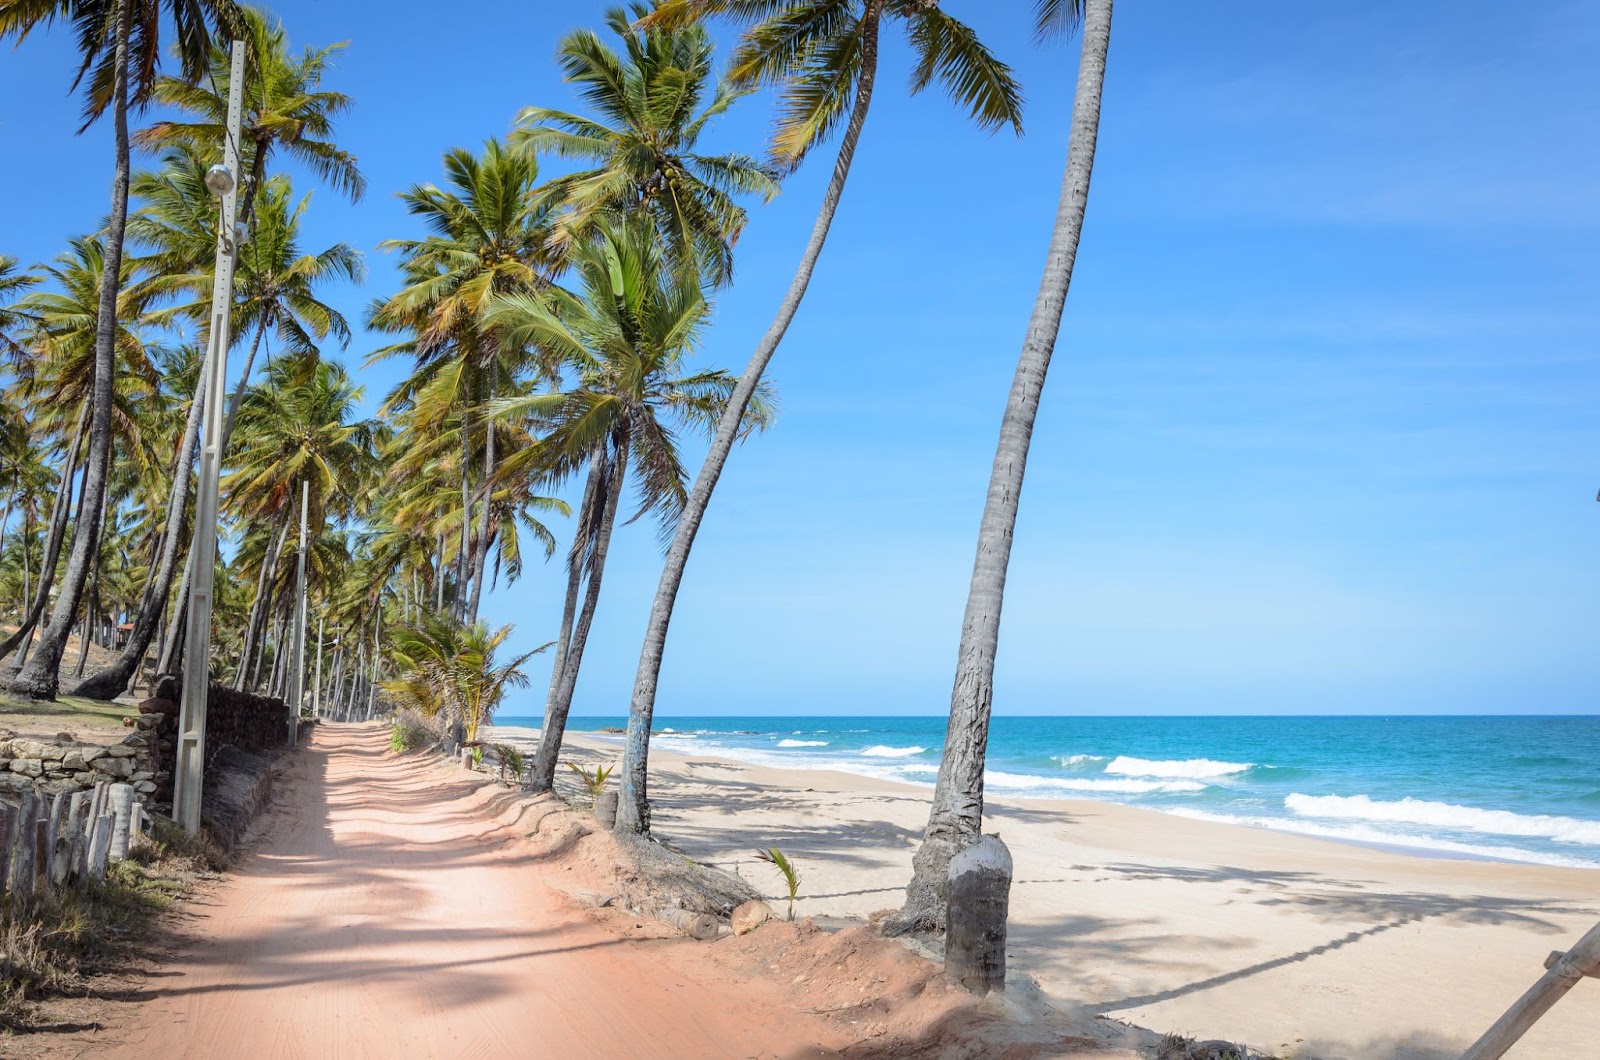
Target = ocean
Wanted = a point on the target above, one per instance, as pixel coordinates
(1506, 788)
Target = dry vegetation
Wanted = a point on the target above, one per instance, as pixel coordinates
(69, 942)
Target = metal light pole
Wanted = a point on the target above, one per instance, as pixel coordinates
(224, 181)
(299, 695)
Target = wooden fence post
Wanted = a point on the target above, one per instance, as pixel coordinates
(1565, 969)
(7, 821)
(77, 812)
(41, 851)
(975, 916)
(122, 810)
(21, 878)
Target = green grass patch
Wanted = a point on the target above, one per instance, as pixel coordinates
(67, 709)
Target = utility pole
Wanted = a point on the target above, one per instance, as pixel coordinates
(224, 181)
(298, 697)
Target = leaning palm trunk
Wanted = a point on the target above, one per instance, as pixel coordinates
(633, 808)
(93, 607)
(480, 550)
(565, 681)
(109, 683)
(576, 559)
(41, 678)
(52, 550)
(957, 813)
(263, 600)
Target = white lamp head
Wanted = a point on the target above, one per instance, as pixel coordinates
(219, 179)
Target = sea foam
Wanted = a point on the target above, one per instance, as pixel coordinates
(1045, 787)
(1196, 768)
(1445, 815)
(881, 751)
(1368, 835)
(802, 743)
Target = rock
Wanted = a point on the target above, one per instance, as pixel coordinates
(749, 916)
(59, 786)
(5, 748)
(28, 767)
(50, 752)
(91, 753)
(142, 774)
(85, 778)
(123, 750)
(27, 749)
(65, 737)
(74, 759)
(113, 767)
(138, 741)
(145, 721)
(159, 706)
(168, 687)
(15, 782)
(144, 787)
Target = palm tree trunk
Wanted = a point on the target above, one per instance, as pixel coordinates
(576, 559)
(51, 553)
(5, 521)
(480, 551)
(258, 606)
(244, 382)
(338, 676)
(94, 599)
(555, 712)
(956, 817)
(280, 655)
(633, 806)
(110, 682)
(438, 578)
(41, 678)
(458, 606)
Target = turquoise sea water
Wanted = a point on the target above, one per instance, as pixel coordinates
(1512, 788)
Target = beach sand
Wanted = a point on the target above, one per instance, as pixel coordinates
(1300, 946)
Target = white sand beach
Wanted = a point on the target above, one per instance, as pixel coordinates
(1300, 946)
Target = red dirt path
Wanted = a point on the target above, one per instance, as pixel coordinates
(382, 916)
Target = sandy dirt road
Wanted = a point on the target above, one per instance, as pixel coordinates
(380, 917)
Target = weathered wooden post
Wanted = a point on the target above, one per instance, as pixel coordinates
(21, 878)
(1565, 969)
(76, 811)
(122, 811)
(7, 820)
(975, 916)
(41, 850)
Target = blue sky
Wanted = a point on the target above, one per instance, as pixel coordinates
(1322, 428)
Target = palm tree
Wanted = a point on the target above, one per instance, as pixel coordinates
(956, 817)
(12, 283)
(61, 383)
(276, 288)
(488, 237)
(822, 55)
(119, 43)
(299, 424)
(450, 667)
(642, 144)
(285, 108)
(624, 341)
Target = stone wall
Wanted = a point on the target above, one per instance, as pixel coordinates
(65, 765)
(233, 719)
(146, 757)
